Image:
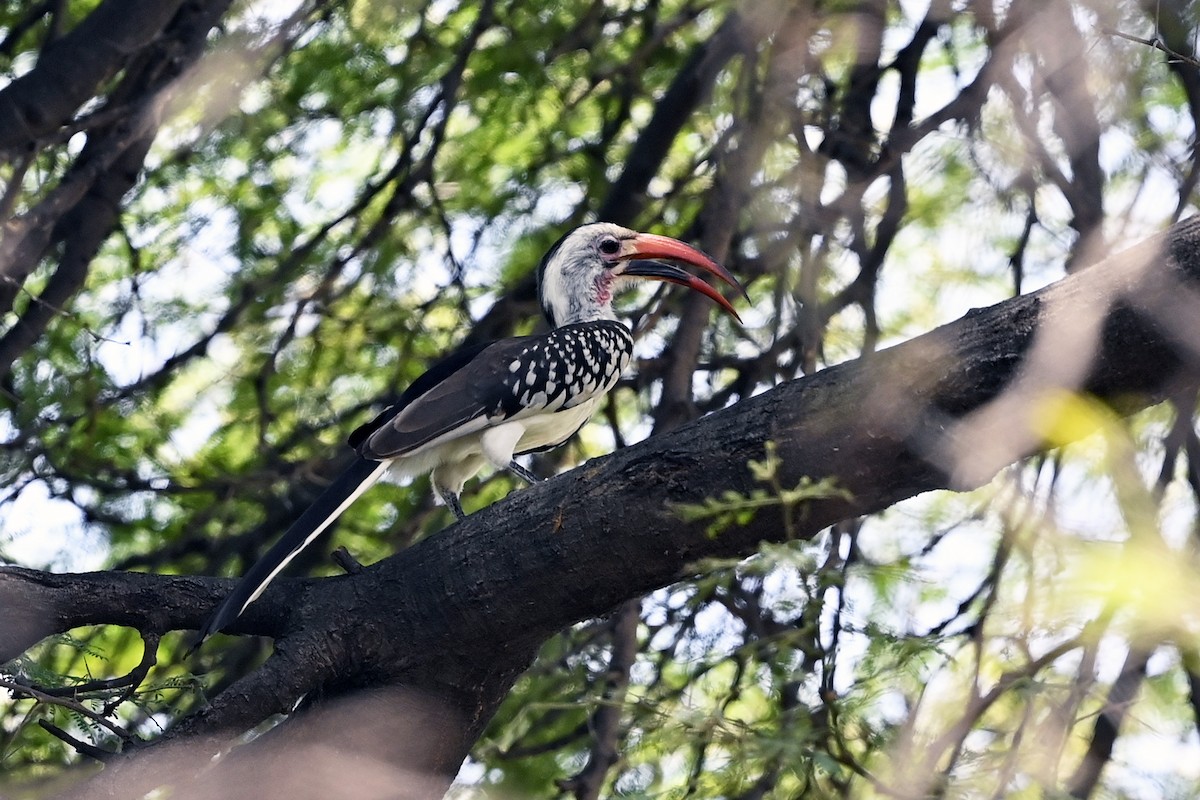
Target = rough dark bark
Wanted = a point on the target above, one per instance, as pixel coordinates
(72, 69)
(457, 617)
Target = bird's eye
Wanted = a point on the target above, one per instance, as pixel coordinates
(610, 246)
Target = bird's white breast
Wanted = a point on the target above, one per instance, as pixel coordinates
(546, 430)
(459, 458)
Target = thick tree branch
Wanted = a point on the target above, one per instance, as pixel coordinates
(458, 616)
(72, 68)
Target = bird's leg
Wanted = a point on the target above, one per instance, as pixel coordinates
(452, 503)
(522, 473)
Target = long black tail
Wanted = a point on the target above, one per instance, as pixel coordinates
(316, 518)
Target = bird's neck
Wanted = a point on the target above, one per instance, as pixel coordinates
(587, 313)
(591, 306)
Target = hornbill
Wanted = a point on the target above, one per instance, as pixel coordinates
(486, 404)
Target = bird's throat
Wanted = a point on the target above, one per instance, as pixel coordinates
(604, 289)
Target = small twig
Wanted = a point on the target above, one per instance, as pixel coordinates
(9, 199)
(350, 564)
(1156, 43)
(69, 704)
(82, 747)
(62, 312)
(138, 673)
(129, 681)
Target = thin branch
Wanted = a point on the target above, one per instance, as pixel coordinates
(81, 747)
(1156, 43)
(68, 703)
(129, 681)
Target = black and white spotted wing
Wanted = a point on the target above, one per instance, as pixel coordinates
(509, 379)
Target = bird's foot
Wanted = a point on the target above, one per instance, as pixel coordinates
(522, 473)
(452, 503)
